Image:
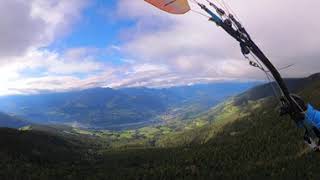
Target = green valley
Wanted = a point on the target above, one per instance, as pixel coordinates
(246, 140)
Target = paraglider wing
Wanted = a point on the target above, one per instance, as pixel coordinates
(171, 6)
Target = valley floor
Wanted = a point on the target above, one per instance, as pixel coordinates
(251, 147)
(242, 140)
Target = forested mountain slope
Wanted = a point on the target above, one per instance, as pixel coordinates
(240, 141)
(11, 121)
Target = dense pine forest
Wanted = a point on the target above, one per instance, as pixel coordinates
(238, 139)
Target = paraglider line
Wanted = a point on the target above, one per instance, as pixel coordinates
(199, 13)
(223, 4)
(269, 78)
(230, 10)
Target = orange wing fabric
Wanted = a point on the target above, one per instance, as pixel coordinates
(171, 6)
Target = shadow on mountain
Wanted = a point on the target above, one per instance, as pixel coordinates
(247, 141)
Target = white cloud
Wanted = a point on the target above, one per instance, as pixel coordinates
(160, 50)
(58, 15)
(32, 24)
(18, 28)
(285, 30)
(41, 70)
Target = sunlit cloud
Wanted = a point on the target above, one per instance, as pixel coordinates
(191, 43)
(156, 50)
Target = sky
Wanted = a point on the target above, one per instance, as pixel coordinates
(65, 45)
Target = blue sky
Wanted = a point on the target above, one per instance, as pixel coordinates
(98, 28)
(76, 44)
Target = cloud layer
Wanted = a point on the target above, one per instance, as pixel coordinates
(285, 30)
(35, 23)
(158, 50)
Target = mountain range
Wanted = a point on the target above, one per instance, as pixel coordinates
(106, 108)
(11, 121)
(242, 137)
